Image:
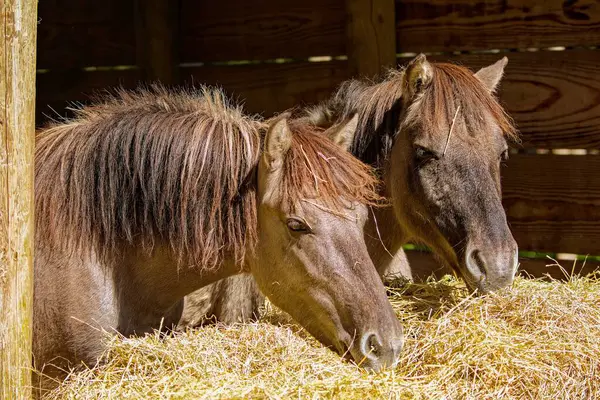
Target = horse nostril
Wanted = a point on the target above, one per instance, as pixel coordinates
(371, 346)
(476, 258)
(375, 354)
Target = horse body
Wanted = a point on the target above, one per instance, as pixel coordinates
(152, 195)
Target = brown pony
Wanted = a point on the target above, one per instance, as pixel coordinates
(438, 137)
(151, 195)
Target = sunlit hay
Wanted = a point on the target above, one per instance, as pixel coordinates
(536, 340)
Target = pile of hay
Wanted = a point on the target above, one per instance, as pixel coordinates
(536, 340)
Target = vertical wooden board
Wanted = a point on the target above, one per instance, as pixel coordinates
(3, 174)
(85, 33)
(553, 202)
(271, 88)
(258, 30)
(157, 40)
(441, 25)
(17, 95)
(371, 42)
(554, 96)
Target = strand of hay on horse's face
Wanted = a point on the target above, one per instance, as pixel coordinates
(438, 135)
(151, 195)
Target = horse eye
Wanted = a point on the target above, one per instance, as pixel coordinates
(423, 154)
(297, 225)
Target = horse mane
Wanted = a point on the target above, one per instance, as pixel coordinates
(179, 167)
(150, 164)
(379, 106)
(317, 168)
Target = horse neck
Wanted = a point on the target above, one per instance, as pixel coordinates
(383, 228)
(150, 283)
(386, 235)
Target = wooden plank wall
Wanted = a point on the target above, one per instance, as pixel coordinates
(552, 200)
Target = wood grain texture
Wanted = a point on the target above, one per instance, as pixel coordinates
(423, 265)
(266, 89)
(157, 40)
(441, 25)
(85, 33)
(17, 94)
(553, 202)
(554, 96)
(255, 30)
(371, 42)
(272, 88)
(56, 90)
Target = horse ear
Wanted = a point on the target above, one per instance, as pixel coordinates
(491, 75)
(343, 134)
(320, 115)
(277, 143)
(418, 75)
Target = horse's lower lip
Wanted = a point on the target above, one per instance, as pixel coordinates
(473, 283)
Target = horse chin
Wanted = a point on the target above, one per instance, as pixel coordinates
(341, 345)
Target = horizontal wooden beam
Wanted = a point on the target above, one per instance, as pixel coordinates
(85, 33)
(259, 30)
(450, 25)
(553, 202)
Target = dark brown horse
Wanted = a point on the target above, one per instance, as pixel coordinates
(151, 195)
(438, 136)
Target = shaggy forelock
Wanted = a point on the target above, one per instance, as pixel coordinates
(454, 86)
(317, 168)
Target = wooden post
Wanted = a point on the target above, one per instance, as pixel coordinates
(157, 31)
(18, 24)
(371, 36)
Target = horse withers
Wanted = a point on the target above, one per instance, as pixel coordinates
(151, 195)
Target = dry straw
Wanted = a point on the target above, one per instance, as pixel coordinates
(539, 339)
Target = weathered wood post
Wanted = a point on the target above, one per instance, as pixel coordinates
(18, 24)
(371, 36)
(157, 28)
